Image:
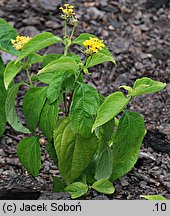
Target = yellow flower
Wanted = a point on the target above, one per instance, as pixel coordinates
(20, 42)
(93, 45)
(68, 11)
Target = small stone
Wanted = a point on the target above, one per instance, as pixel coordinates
(30, 31)
(9, 141)
(143, 184)
(167, 184)
(124, 182)
(2, 153)
(111, 28)
(139, 65)
(45, 5)
(1, 171)
(144, 27)
(2, 160)
(95, 13)
(9, 172)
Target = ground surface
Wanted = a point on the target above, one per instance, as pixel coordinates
(138, 34)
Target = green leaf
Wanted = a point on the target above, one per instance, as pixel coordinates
(153, 197)
(99, 58)
(47, 77)
(29, 154)
(59, 184)
(104, 162)
(126, 143)
(38, 42)
(34, 58)
(11, 71)
(48, 119)
(55, 87)
(103, 55)
(10, 111)
(103, 186)
(84, 106)
(81, 38)
(112, 106)
(50, 57)
(68, 82)
(3, 94)
(7, 33)
(146, 86)
(75, 57)
(109, 129)
(73, 151)
(127, 88)
(65, 64)
(33, 103)
(76, 189)
(52, 152)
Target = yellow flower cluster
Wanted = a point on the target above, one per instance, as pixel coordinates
(93, 45)
(20, 42)
(68, 11)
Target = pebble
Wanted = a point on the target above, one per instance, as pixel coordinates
(139, 65)
(95, 13)
(1, 171)
(2, 153)
(45, 5)
(124, 182)
(9, 172)
(30, 31)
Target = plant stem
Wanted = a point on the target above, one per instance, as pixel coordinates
(72, 33)
(65, 29)
(66, 50)
(29, 77)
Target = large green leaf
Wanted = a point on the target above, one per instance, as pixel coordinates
(73, 151)
(29, 154)
(47, 77)
(109, 129)
(33, 103)
(11, 71)
(153, 197)
(103, 186)
(104, 162)
(112, 106)
(10, 111)
(99, 58)
(84, 106)
(55, 87)
(50, 57)
(76, 189)
(52, 152)
(3, 94)
(59, 184)
(65, 64)
(7, 33)
(126, 143)
(38, 42)
(103, 55)
(34, 58)
(81, 38)
(146, 86)
(48, 119)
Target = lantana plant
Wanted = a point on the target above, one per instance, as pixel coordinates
(91, 146)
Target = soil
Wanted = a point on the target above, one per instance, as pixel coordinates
(137, 32)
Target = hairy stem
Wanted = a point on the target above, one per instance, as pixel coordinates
(73, 30)
(29, 77)
(66, 50)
